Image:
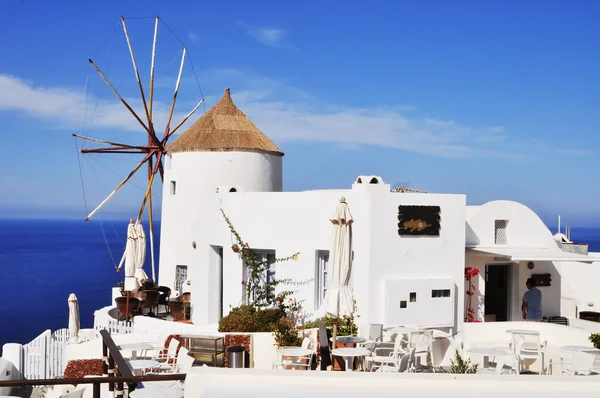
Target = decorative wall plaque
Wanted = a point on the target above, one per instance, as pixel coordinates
(419, 220)
(542, 279)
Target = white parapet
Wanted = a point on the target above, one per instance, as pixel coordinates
(13, 353)
(205, 382)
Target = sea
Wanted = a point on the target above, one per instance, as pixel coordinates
(43, 261)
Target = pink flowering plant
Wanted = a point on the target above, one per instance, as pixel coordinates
(470, 273)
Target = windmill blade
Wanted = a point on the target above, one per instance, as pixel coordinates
(175, 94)
(182, 122)
(152, 67)
(129, 108)
(135, 69)
(118, 187)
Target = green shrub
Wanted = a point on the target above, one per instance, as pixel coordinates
(461, 365)
(346, 325)
(286, 333)
(250, 319)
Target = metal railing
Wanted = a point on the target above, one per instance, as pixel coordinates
(111, 357)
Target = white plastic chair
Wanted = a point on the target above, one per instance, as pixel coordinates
(580, 366)
(169, 361)
(404, 365)
(528, 346)
(379, 359)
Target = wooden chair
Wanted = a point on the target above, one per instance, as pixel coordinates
(163, 298)
(151, 301)
(127, 306)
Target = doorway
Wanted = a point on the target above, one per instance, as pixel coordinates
(216, 284)
(496, 292)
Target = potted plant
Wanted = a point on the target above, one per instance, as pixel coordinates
(595, 339)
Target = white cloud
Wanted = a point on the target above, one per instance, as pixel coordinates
(287, 114)
(272, 37)
(193, 37)
(67, 108)
(268, 37)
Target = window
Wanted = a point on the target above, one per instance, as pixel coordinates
(440, 293)
(500, 236)
(413, 297)
(173, 187)
(180, 277)
(269, 276)
(169, 160)
(403, 304)
(321, 277)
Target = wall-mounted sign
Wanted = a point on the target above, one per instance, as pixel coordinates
(542, 279)
(418, 220)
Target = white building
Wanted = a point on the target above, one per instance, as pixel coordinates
(398, 277)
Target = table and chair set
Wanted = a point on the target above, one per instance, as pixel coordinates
(368, 352)
(526, 346)
(152, 358)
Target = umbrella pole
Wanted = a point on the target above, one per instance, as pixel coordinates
(334, 337)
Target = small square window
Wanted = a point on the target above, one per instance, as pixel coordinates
(403, 304)
(440, 293)
(413, 297)
(173, 187)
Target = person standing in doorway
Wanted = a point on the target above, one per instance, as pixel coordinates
(531, 308)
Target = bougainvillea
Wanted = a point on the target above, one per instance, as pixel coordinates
(470, 273)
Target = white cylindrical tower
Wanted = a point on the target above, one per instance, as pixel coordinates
(222, 152)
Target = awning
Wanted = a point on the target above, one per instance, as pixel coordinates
(530, 254)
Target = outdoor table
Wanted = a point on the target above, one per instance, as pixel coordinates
(486, 353)
(523, 331)
(438, 334)
(349, 354)
(401, 330)
(141, 364)
(580, 348)
(574, 349)
(349, 340)
(135, 347)
(158, 392)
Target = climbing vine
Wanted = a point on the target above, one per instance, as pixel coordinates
(259, 290)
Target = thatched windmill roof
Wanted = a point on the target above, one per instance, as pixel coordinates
(224, 128)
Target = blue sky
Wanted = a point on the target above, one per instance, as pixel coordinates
(497, 100)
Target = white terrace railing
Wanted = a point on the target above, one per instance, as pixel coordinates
(113, 326)
(44, 357)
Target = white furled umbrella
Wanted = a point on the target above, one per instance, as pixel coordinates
(140, 257)
(73, 319)
(131, 254)
(338, 300)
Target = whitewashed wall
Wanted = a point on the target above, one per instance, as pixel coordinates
(524, 229)
(197, 174)
(580, 281)
(290, 222)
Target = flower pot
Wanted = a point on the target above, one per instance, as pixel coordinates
(339, 363)
(177, 310)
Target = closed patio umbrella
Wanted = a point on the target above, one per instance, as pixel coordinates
(73, 319)
(140, 257)
(338, 300)
(131, 254)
